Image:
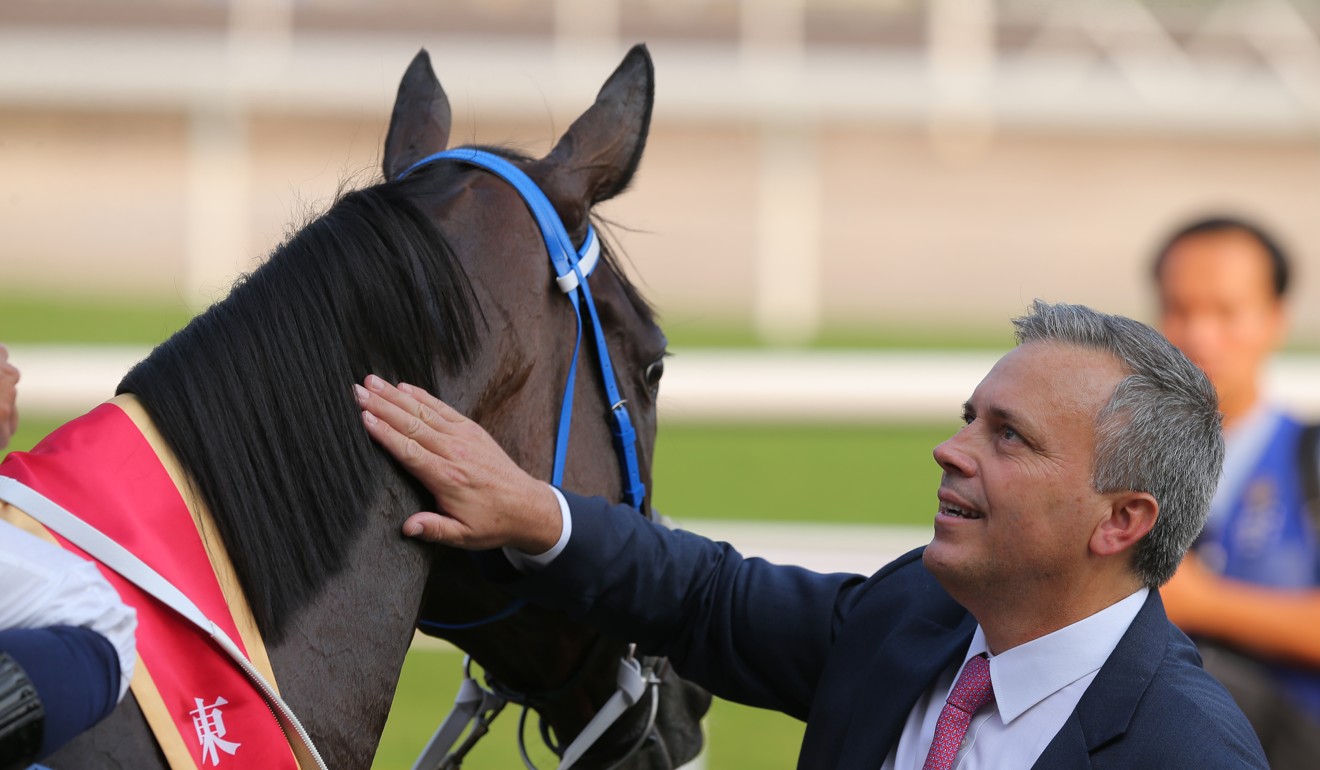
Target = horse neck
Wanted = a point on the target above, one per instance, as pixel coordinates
(339, 663)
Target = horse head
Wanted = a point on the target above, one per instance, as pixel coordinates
(517, 380)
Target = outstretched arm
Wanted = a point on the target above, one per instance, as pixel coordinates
(1270, 622)
(745, 629)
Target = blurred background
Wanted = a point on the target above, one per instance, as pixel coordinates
(841, 204)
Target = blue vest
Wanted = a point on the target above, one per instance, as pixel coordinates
(1267, 538)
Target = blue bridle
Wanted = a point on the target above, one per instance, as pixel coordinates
(572, 266)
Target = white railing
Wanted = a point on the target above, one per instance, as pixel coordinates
(699, 385)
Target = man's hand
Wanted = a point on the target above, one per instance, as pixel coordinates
(485, 499)
(8, 397)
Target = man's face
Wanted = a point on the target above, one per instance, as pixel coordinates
(1217, 305)
(1016, 505)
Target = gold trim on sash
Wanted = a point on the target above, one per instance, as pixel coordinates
(211, 540)
(219, 557)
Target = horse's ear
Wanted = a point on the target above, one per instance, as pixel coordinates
(420, 124)
(595, 159)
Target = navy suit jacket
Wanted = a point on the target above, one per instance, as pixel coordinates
(851, 655)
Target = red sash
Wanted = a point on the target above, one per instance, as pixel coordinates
(100, 468)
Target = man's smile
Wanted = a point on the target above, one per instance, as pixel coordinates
(955, 507)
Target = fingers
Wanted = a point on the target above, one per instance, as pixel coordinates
(425, 414)
(431, 527)
(443, 411)
(403, 435)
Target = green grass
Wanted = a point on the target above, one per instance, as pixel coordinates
(39, 319)
(36, 317)
(689, 332)
(859, 475)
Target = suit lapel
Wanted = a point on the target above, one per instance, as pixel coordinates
(1106, 708)
(1068, 750)
(902, 668)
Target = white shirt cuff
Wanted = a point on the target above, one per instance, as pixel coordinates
(526, 562)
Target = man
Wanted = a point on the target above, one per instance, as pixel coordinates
(1028, 633)
(1250, 594)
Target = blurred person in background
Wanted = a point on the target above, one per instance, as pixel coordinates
(66, 639)
(1247, 591)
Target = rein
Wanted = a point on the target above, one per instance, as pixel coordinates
(475, 705)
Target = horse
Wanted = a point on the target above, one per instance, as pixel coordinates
(438, 278)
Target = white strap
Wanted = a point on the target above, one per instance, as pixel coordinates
(632, 686)
(107, 551)
(470, 703)
(588, 256)
(132, 569)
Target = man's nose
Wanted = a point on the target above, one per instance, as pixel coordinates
(952, 455)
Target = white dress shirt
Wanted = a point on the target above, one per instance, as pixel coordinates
(1037, 686)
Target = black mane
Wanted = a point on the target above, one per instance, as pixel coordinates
(254, 396)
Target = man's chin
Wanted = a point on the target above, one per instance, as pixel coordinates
(948, 556)
(939, 557)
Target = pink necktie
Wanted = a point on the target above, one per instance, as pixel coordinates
(970, 693)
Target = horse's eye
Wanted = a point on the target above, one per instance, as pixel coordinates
(654, 372)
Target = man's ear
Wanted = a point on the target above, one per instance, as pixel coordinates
(1131, 516)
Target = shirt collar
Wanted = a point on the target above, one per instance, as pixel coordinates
(1031, 672)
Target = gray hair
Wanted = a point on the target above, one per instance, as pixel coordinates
(1160, 433)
